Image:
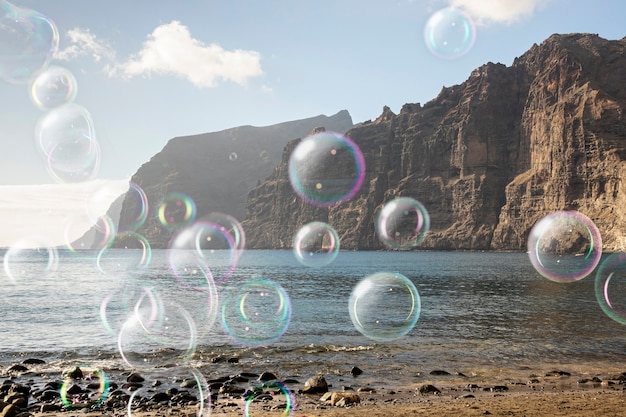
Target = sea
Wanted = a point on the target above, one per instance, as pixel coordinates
(477, 313)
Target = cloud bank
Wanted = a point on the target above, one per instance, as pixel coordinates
(497, 11)
(169, 50)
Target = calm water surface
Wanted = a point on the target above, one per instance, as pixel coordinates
(479, 311)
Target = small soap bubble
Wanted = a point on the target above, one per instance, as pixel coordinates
(102, 234)
(30, 258)
(132, 298)
(280, 393)
(326, 169)
(66, 137)
(176, 210)
(53, 87)
(316, 244)
(28, 42)
(136, 209)
(132, 253)
(564, 246)
(232, 156)
(256, 313)
(94, 384)
(402, 223)
(610, 287)
(384, 306)
(449, 33)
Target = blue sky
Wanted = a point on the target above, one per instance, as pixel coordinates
(277, 61)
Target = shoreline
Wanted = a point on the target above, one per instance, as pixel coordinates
(512, 392)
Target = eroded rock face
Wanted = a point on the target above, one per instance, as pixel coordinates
(487, 158)
(217, 170)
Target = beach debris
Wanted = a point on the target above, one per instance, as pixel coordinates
(366, 389)
(344, 399)
(315, 385)
(356, 371)
(426, 389)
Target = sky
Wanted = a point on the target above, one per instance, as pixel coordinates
(146, 71)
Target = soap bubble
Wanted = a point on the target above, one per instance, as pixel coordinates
(134, 297)
(84, 398)
(30, 258)
(232, 156)
(176, 210)
(201, 246)
(28, 42)
(256, 313)
(564, 246)
(67, 139)
(384, 306)
(53, 87)
(145, 342)
(402, 223)
(326, 169)
(316, 244)
(449, 33)
(101, 234)
(610, 286)
(134, 254)
(136, 209)
(256, 408)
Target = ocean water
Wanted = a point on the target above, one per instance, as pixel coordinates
(481, 312)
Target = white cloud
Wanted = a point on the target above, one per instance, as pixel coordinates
(85, 43)
(170, 50)
(499, 11)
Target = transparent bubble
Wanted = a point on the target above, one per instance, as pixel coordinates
(99, 201)
(53, 87)
(30, 258)
(232, 156)
(565, 246)
(136, 209)
(449, 33)
(326, 169)
(132, 253)
(610, 286)
(93, 384)
(316, 244)
(256, 313)
(101, 234)
(67, 139)
(146, 342)
(28, 41)
(133, 298)
(384, 306)
(203, 246)
(282, 397)
(402, 223)
(176, 210)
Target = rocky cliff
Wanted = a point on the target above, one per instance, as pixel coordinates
(217, 170)
(487, 158)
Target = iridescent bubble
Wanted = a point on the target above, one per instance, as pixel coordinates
(256, 313)
(176, 210)
(449, 33)
(132, 253)
(101, 235)
(256, 407)
(610, 286)
(326, 169)
(135, 210)
(99, 201)
(384, 306)
(53, 87)
(67, 139)
(201, 251)
(402, 223)
(28, 41)
(32, 258)
(91, 379)
(134, 298)
(144, 342)
(227, 224)
(565, 246)
(316, 244)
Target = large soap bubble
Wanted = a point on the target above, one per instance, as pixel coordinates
(402, 223)
(316, 244)
(28, 41)
(53, 87)
(326, 169)
(384, 306)
(449, 33)
(610, 286)
(564, 246)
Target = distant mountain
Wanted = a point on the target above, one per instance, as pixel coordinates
(216, 170)
(487, 158)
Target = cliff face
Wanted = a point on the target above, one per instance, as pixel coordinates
(487, 158)
(217, 170)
